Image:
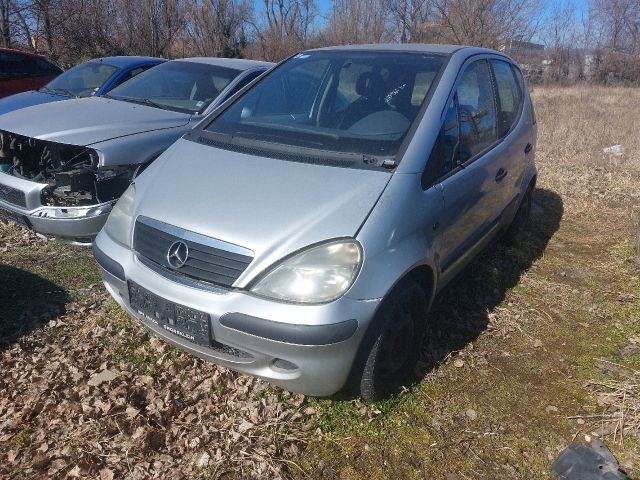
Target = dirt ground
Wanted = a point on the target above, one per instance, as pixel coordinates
(532, 348)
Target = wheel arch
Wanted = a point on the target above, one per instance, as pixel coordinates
(425, 277)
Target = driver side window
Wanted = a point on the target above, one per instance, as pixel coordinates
(443, 156)
(476, 110)
(470, 124)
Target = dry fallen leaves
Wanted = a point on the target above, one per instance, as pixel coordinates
(91, 394)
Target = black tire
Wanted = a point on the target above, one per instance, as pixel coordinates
(521, 220)
(391, 346)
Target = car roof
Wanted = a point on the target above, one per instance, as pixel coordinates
(127, 60)
(237, 63)
(21, 52)
(442, 49)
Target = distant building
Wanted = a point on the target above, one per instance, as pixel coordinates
(521, 50)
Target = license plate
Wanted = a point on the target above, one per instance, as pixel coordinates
(182, 321)
(14, 217)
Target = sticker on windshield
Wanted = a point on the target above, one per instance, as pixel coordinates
(199, 104)
(302, 55)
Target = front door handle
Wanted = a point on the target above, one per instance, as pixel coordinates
(528, 148)
(501, 174)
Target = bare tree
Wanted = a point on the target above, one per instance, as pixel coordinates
(5, 29)
(284, 27)
(561, 39)
(618, 24)
(412, 20)
(359, 21)
(486, 23)
(615, 29)
(217, 27)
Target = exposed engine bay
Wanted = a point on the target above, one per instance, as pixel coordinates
(71, 172)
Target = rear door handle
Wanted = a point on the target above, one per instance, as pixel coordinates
(501, 174)
(528, 148)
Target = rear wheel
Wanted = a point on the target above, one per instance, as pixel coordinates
(392, 344)
(521, 220)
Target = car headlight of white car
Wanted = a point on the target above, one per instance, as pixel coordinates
(120, 220)
(319, 274)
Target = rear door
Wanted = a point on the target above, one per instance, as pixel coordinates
(469, 163)
(511, 127)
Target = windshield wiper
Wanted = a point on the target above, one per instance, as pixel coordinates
(141, 101)
(299, 151)
(58, 91)
(64, 91)
(295, 128)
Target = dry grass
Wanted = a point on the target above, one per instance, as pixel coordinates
(527, 325)
(603, 193)
(619, 395)
(574, 126)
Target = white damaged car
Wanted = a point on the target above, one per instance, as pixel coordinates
(63, 165)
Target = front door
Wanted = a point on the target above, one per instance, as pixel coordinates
(468, 161)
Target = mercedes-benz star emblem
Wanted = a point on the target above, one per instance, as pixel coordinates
(178, 254)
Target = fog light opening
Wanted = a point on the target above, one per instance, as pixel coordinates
(281, 364)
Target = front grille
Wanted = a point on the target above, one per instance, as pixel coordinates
(13, 196)
(209, 260)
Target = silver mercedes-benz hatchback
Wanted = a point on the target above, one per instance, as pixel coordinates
(301, 232)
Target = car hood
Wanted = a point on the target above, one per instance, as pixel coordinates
(272, 207)
(27, 99)
(85, 121)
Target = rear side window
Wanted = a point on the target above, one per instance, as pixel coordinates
(16, 65)
(509, 96)
(520, 80)
(476, 110)
(47, 68)
(12, 65)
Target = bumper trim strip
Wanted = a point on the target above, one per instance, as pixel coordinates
(108, 263)
(290, 333)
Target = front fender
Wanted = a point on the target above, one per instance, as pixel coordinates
(138, 148)
(398, 237)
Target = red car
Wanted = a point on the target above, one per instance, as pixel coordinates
(22, 71)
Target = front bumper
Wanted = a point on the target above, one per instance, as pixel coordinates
(302, 348)
(78, 225)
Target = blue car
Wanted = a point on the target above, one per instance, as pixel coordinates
(93, 78)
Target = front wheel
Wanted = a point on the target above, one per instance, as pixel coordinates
(396, 335)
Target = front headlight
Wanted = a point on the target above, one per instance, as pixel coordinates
(317, 275)
(119, 222)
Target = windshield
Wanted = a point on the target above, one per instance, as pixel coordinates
(182, 86)
(348, 103)
(83, 80)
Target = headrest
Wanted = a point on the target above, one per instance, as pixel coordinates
(370, 84)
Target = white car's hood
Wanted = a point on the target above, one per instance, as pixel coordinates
(85, 121)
